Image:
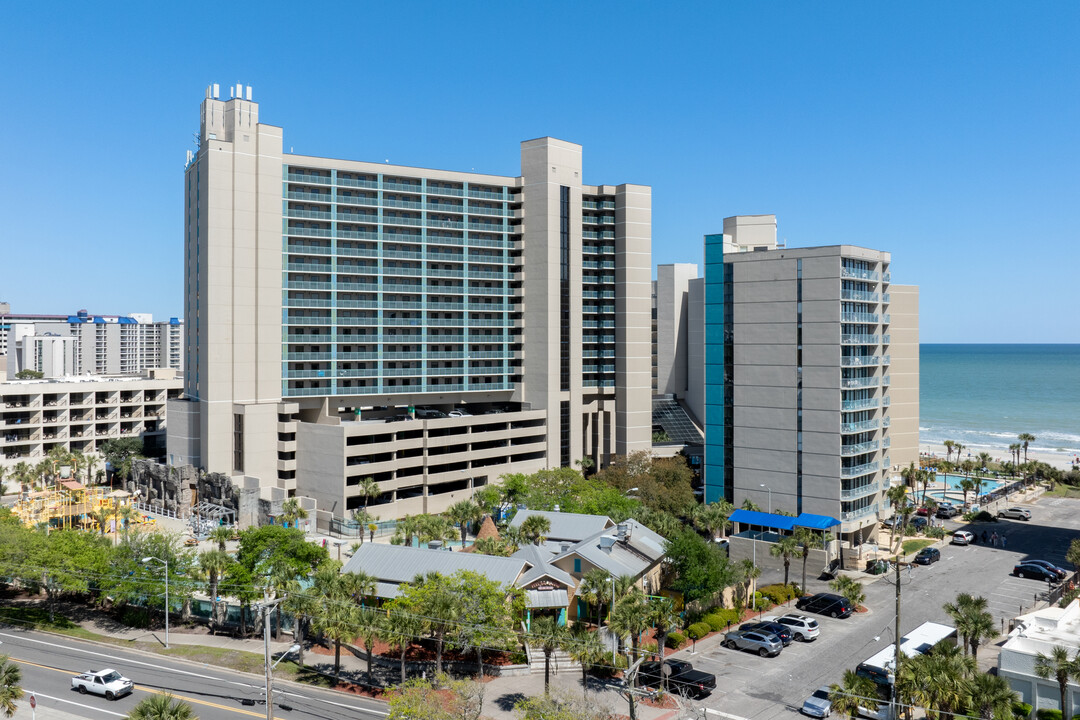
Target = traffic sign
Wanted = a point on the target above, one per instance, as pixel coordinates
(33, 701)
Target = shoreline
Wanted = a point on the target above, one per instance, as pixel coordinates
(1060, 460)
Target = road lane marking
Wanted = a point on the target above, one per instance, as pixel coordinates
(72, 702)
(261, 688)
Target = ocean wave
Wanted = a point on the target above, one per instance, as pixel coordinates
(1048, 441)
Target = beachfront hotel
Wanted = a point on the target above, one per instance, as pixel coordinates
(429, 329)
(811, 379)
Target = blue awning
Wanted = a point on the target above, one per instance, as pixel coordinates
(761, 519)
(817, 522)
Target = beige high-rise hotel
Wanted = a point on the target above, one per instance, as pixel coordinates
(429, 329)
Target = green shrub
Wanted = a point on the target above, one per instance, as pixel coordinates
(699, 630)
(1047, 714)
(778, 594)
(761, 602)
(135, 617)
(935, 532)
(720, 618)
(1021, 710)
(675, 640)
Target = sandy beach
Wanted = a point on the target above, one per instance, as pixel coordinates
(1054, 459)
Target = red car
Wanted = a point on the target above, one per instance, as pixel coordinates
(923, 511)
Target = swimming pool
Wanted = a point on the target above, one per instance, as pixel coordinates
(953, 482)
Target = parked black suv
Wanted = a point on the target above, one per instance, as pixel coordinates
(826, 604)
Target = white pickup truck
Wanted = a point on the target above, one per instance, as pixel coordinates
(106, 682)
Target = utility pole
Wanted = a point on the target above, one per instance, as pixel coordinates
(269, 669)
(896, 651)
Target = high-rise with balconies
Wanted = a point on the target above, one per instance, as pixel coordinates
(429, 329)
(806, 366)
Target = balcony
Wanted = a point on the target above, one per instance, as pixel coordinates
(866, 382)
(856, 427)
(310, 179)
(859, 448)
(858, 317)
(860, 361)
(859, 296)
(859, 470)
(861, 404)
(859, 274)
(858, 339)
(860, 513)
(885, 380)
(858, 492)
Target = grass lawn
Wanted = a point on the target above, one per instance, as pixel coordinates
(911, 546)
(1064, 491)
(37, 618)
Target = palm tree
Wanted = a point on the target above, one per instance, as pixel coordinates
(546, 632)
(125, 515)
(358, 585)
(291, 511)
(465, 513)
(214, 564)
(594, 589)
(749, 572)
(492, 546)
(985, 459)
(908, 475)
(1026, 438)
(101, 516)
(399, 630)
(808, 540)
(370, 631)
(162, 707)
(220, 535)
(408, 527)
(1061, 667)
(1014, 453)
(663, 618)
(949, 445)
(713, 517)
(10, 689)
(992, 697)
(535, 527)
(748, 504)
(850, 589)
(630, 617)
(368, 488)
(964, 605)
(487, 498)
(586, 649)
(785, 548)
(90, 461)
(967, 485)
(851, 693)
(302, 605)
(898, 498)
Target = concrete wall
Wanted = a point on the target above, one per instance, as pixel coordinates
(633, 319)
(904, 390)
(672, 328)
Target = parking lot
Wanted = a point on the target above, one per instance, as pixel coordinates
(759, 688)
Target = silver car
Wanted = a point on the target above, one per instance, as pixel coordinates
(1017, 513)
(818, 705)
(763, 643)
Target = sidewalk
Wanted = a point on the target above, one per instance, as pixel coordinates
(501, 692)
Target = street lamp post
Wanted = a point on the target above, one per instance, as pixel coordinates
(266, 608)
(770, 496)
(166, 564)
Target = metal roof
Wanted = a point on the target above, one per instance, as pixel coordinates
(546, 598)
(640, 550)
(761, 519)
(566, 526)
(670, 415)
(817, 522)
(399, 563)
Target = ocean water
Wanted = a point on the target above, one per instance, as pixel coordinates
(985, 395)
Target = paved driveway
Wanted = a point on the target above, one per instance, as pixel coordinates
(761, 688)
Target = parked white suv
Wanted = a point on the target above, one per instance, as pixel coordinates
(803, 629)
(106, 682)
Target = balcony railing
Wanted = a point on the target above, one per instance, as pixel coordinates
(857, 470)
(861, 404)
(862, 491)
(861, 512)
(859, 448)
(862, 426)
(860, 361)
(858, 317)
(859, 296)
(858, 273)
(859, 339)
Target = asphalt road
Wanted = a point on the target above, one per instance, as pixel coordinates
(758, 688)
(49, 661)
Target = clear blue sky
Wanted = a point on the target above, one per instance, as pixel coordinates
(946, 133)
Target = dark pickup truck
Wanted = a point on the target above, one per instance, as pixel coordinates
(684, 679)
